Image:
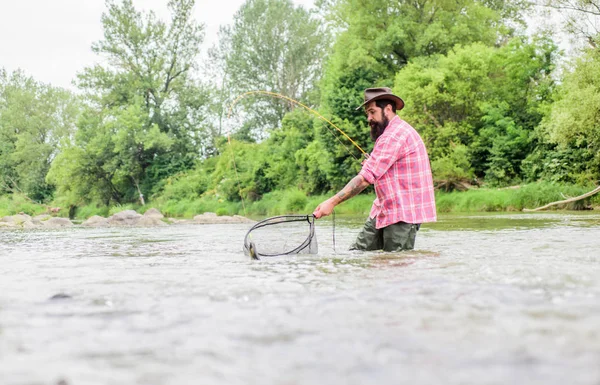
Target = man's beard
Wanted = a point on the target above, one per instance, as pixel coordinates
(377, 128)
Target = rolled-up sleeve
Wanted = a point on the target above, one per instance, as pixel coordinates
(387, 150)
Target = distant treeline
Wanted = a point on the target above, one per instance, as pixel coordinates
(495, 106)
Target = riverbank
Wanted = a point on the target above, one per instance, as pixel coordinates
(294, 201)
(126, 218)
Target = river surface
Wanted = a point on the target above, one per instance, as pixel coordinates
(483, 299)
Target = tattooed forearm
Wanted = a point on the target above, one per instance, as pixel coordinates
(354, 187)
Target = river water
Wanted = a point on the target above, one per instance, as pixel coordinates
(483, 299)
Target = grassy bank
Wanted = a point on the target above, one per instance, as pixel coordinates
(17, 203)
(514, 199)
(274, 203)
(295, 201)
(475, 200)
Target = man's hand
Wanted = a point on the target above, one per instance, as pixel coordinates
(355, 186)
(324, 209)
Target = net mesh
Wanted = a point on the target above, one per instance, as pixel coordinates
(281, 235)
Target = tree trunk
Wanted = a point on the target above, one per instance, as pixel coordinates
(586, 195)
(139, 191)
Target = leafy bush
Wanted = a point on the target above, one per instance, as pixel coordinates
(15, 203)
(295, 201)
(222, 211)
(90, 210)
(565, 165)
(453, 172)
(189, 185)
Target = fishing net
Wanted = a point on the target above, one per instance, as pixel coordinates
(281, 235)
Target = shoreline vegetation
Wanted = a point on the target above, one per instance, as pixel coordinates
(511, 199)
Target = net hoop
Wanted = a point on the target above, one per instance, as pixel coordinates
(250, 248)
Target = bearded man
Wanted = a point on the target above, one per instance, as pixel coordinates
(399, 169)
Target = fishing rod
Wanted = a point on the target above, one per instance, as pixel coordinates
(286, 98)
(249, 246)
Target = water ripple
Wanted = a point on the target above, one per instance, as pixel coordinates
(490, 299)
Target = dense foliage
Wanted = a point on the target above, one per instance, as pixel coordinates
(145, 113)
(36, 121)
(492, 103)
(271, 46)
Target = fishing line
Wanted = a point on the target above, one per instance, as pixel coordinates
(333, 231)
(236, 175)
(250, 246)
(276, 95)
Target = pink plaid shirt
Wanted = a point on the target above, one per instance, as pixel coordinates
(399, 168)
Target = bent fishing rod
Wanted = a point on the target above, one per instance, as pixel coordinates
(249, 246)
(297, 103)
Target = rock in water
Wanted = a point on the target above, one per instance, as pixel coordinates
(60, 296)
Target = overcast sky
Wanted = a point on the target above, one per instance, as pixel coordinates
(51, 39)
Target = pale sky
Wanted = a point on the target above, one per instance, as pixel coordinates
(50, 40)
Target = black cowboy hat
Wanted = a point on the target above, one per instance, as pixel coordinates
(372, 94)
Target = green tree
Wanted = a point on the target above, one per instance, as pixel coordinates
(376, 39)
(148, 81)
(36, 120)
(281, 167)
(111, 155)
(271, 46)
(154, 61)
(384, 35)
(486, 98)
(573, 121)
